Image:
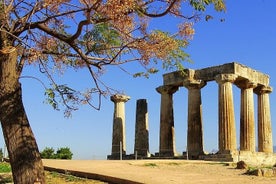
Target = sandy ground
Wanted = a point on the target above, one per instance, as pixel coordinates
(162, 171)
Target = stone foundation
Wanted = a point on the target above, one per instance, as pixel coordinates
(250, 158)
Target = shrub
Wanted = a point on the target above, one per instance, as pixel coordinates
(61, 153)
(5, 168)
(48, 153)
(64, 153)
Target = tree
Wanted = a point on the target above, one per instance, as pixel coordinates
(48, 153)
(85, 35)
(62, 153)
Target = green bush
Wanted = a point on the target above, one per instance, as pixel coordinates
(48, 153)
(61, 153)
(5, 167)
(64, 153)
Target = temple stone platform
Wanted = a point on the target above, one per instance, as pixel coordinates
(251, 158)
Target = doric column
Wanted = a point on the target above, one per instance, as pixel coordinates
(264, 120)
(167, 140)
(247, 125)
(227, 130)
(118, 137)
(195, 129)
(141, 146)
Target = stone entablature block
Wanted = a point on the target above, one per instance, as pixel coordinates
(208, 74)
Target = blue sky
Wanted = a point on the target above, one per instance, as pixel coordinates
(246, 36)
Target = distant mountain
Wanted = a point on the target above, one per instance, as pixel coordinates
(274, 149)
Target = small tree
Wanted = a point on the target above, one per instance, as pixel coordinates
(61, 153)
(48, 153)
(64, 153)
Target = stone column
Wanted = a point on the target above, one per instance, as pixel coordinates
(227, 130)
(195, 129)
(141, 146)
(167, 139)
(118, 125)
(247, 125)
(264, 120)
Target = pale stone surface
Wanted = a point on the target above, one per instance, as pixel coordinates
(141, 146)
(195, 128)
(227, 130)
(255, 158)
(167, 137)
(118, 137)
(247, 125)
(209, 74)
(264, 121)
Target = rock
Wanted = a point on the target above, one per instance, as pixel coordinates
(257, 172)
(241, 165)
(267, 172)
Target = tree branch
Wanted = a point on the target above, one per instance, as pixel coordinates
(158, 14)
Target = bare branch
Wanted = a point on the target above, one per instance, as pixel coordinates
(159, 14)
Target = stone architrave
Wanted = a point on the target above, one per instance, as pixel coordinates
(264, 120)
(167, 138)
(247, 125)
(195, 128)
(118, 137)
(227, 130)
(141, 146)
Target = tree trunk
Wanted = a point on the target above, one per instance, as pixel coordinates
(26, 163)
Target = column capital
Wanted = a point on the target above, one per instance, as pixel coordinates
(194, 84)
(263, 89)
(119, 98)
(167, 89)
(246, 84)
(222, 78)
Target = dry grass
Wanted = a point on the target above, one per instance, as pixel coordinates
(54, 178)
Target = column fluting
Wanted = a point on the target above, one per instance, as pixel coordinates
(227, 129)
(195, 127)
(264, 120)
(167, 137)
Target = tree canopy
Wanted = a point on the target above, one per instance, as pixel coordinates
(93, 34)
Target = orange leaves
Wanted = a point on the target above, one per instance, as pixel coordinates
(47, 43)
(88, 2)
(117, 9)
(159, 45)
(53, 5)
(119, 12)
(162, 44)
(186, 30)
(32, 55)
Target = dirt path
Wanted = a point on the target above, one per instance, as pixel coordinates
(162, 171)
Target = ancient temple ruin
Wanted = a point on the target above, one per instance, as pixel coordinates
(249, 81)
